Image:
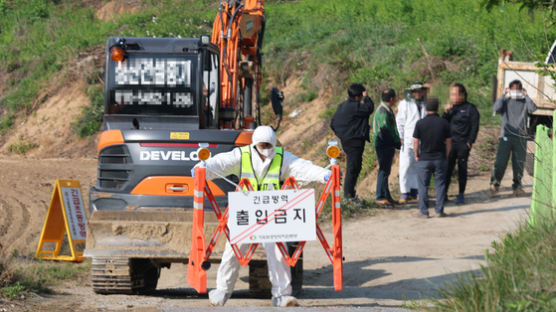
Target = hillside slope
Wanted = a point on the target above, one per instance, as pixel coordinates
(52, 59)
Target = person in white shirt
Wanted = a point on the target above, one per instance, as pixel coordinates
(410, 110)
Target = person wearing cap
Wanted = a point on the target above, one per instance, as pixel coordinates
(464, 125)
(266, 166)
(514, 106)
(432, 141)
(387, 140)
(350, 123)
(410, 110)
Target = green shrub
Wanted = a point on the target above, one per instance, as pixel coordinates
(91, 116)
(6, 123)
(328, 113)
(13, 292)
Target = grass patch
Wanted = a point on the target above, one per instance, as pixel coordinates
(328, 113)
(519, 275)
(350, 208)
(22, 275)
(355, 208)
(21, 147)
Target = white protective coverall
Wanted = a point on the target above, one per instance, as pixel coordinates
(406, 119)
(230, 163)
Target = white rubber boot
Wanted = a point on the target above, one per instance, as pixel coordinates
(218, 297)
(284, 301)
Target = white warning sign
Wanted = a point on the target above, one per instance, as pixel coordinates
(73, 204)
(272, 216)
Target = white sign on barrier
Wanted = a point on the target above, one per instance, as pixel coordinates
(73, 203)
(272, 216)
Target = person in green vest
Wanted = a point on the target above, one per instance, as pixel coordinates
(387, 140)
(266, 166)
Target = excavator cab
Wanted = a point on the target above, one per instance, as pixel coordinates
(162, 83)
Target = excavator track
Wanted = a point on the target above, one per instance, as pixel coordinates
(123, 275)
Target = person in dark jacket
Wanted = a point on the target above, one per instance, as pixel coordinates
(464, 126)
(350, 123)
(387, 140)
(514, 106)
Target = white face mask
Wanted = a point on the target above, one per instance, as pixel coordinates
(269, 153)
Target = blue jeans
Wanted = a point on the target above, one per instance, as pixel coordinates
(385, 157)
(425, 169)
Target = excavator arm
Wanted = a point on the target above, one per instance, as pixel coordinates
(238, 31)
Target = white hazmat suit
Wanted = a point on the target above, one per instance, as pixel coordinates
(406, 119)
(230, 164)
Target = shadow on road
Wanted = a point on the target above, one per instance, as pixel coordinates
(408, 289)
(489, 210)
(362, 273)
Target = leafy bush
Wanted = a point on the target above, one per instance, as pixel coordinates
(91, 117)
(13, 292)
(6, 123)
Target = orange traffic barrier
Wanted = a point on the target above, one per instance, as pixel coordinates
(196, 268)
(199, 255)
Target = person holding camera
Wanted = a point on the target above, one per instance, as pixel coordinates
(514, 106)
(350, 123)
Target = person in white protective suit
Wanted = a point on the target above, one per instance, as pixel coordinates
(410, 110)
(264, 157)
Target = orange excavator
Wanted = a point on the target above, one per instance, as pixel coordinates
(163, 98)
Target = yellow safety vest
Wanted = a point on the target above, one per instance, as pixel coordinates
(272, 176)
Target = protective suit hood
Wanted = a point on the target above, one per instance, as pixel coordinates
(264, 134)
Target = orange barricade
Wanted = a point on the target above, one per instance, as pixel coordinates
(199, 255)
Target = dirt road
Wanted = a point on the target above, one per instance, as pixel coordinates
(391, 258)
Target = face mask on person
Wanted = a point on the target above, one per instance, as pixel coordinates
(268, 152)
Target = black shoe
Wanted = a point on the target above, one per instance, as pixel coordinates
(440, 215)
(420, 215)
